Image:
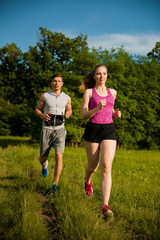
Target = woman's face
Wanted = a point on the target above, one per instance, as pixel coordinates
(101, 75)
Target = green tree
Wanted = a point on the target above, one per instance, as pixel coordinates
(11, 73)
(155, 53)
(24, 77)
(6, 113)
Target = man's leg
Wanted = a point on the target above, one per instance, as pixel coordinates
(43, 161)
(58, 167)
(59, 146)
(45, 145)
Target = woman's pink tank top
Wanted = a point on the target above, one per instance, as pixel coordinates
(104, 116)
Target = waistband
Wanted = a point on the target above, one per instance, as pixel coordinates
(101, 124)
(55, 120)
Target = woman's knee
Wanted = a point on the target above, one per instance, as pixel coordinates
(106, 168)
(92, 169)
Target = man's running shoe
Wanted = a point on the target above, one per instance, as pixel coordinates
(45, 170)
(88, 189)
(106, 212)
(55, 188)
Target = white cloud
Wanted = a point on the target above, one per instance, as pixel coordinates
(134, 44)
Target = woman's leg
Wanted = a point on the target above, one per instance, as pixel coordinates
(92, 151)
(108, 148)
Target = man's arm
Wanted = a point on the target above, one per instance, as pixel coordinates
(39, 107)
(68, 109)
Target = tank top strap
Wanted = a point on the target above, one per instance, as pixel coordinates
(109, 92)
(93, 91)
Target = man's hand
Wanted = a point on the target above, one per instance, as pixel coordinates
(46, 117)
(68, 114)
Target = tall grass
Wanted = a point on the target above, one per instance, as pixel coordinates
(29, 210)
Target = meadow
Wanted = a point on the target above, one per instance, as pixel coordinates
(29, 209)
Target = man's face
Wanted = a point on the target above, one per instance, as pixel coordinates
(57, 83)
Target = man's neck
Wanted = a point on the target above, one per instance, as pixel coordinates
(56, 92)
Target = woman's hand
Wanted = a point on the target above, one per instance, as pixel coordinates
(117, 113)
(102, 104)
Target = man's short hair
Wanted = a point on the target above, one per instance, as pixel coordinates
(57, 75)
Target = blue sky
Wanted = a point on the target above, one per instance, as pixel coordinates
(135, 24)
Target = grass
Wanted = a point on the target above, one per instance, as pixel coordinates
(29, 210)
(13, 140)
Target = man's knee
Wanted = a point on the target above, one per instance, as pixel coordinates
(58, 156)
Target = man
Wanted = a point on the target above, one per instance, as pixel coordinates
(57, 106)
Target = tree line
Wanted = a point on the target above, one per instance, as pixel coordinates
(25, 76)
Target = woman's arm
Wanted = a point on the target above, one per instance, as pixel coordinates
(116, 113)
(85, 113)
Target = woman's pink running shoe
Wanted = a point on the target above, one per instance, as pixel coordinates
(106, 212)
(88, 189)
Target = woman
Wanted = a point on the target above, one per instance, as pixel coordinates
(99, 135)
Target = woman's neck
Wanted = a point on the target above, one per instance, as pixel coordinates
(101, 88)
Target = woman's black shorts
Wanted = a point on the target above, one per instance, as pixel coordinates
(98, 132)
